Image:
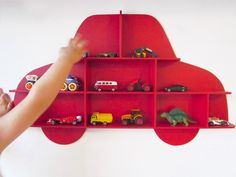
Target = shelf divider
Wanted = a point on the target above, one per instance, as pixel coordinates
(120, 33)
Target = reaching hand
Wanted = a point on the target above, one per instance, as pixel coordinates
(5, 103)
(74, 50)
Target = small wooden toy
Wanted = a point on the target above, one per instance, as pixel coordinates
(106, 55)
(74, 120)
(104, 118)
(215, 121)
(135, 117)
(176, 88)
(138, 85)
(31, 79)
(71, 84)
(106, 85)
(144, 52)
(176, 116)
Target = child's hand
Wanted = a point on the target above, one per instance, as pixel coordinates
(74, 51)
(5, 103)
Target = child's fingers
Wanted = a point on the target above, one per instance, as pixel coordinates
(1, 91)
(77, 39)
(74, 41)
(5, 99)
(9, 106)
(81, 44)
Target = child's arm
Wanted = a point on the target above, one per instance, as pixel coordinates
(42, 94)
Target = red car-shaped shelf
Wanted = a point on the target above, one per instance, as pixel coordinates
(105, 81)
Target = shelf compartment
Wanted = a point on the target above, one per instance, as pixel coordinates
(63, 106)
(194, 78)
(119, 105)
(218, 108)
(123, 72)
(195, 106)
(140, 31)
(102, 28)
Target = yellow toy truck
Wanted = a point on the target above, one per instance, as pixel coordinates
(104, 118)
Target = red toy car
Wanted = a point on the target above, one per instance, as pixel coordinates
(74, 120)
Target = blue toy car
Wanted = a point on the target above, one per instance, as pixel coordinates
(71, 84)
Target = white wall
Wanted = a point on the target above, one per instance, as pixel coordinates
(202, 33)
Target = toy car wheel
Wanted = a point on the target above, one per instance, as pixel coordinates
(93, 123)
(124, 122)
(168, 90)
(104, 123)
(53, 122)
(74, 122)
(139, 121)
(72, 87)
(79, 119)
(113, 89)
(146, 88)
(211, 124)
(64, 87)
(130, 88)
(29, 85)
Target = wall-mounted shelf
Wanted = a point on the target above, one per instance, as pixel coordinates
(121, 34)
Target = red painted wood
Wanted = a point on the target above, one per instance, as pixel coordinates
(63, 135)
(145, 31)
(122, 34)
(176, 137)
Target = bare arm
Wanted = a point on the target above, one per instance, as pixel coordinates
(13, 123)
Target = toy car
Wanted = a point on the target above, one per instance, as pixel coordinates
(144, 52)
(176, 88)
(138, 85)
(31, 79)
(105, 86)
(104, 118)
(86, 54)
(106, 55)
(135, 117)
(74, 120)
(215, 121)
(71, 84)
